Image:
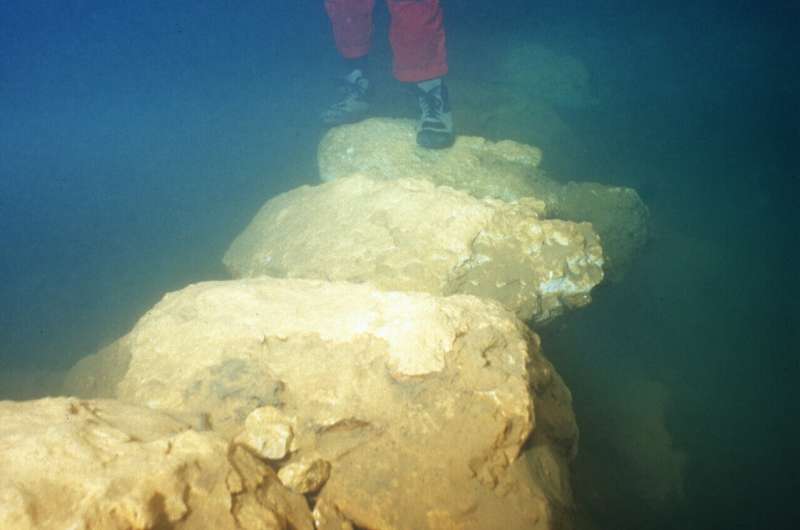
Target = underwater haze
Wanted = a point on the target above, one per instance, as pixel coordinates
(139, 138)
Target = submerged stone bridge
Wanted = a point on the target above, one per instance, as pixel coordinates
(368, 366)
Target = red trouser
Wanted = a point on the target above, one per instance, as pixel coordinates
(416, 34)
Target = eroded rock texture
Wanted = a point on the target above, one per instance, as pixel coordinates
(386, 148)
(507, 170)
(411, 235)
(398, 410)
(73, 464)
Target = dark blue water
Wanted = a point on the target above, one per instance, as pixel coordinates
(137, 139)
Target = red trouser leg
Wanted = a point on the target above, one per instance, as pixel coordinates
(417, 37)
(352, 25)
(416, 34)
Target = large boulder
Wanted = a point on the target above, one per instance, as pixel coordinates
(385, 148)
(68, 463)
(396, 410)
(411, 235)
(507, 170)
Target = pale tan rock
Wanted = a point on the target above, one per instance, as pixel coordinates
(306, 475)
(411, 235)
(328, 517)
(507, 170)
(420, 404)
(272, 505)
(386, 148)
(268, 432)
(616, 213)
(68, 463)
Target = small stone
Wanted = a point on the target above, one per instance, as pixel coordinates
(267, 432)
(328, 517)
(305, 476)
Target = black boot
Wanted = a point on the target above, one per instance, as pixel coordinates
(435, 129)
(353, 105)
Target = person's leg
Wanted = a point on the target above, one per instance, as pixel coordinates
(352, 31)
(418, 42)
(352, 26)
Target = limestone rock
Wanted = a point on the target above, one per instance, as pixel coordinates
(410, 235)
(386, 149)
(616, 213)
(68, 463)
(420, 404)
(268, 433)
(328, 517)
(506, 170)
(306, 475)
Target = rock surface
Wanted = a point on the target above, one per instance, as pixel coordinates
(506, 170)
(68, 464)
(411, 235)
(616, 213)
(419, 405)
(386, 148)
